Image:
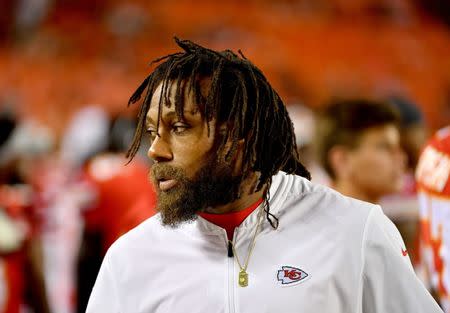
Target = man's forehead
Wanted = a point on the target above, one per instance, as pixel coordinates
(167, 113)
(188, 101)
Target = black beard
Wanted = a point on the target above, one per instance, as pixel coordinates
(212, 186)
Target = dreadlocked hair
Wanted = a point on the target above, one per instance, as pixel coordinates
(239, 96)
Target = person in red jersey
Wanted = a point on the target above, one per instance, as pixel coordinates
(123, 197)
(433, 180)
(21, 272)
(119, 189)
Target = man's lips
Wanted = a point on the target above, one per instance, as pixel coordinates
(165, 185)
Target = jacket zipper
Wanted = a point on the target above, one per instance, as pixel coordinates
(230, 249)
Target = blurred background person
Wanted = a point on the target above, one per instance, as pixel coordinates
(358, 144)
(87, 194)
(403, 207)
(433, 179)
(123, 197)
(413, 130)
(22, 283)
(63, 194)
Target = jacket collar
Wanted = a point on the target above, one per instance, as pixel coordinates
(278, 192)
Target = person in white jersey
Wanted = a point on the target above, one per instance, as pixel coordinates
(240, 227)
(433, 181)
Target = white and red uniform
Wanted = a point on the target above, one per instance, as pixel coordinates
(16, 228)
(62, 193)
(330, 253)
(432, 174)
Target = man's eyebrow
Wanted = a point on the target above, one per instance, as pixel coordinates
(168, 115)
(149, 120)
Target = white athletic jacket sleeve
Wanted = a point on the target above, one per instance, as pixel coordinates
(389, 282)
(104, 297)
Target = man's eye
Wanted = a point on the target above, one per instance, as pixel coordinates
(151, 133)
(385, 146)
(179, 128)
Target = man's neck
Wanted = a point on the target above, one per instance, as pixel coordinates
(248, 197)
(351, 190)
(240, 204)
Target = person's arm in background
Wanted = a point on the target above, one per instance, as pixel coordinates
(88, 266)
(35, 277)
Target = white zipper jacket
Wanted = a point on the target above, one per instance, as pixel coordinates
(330, 253)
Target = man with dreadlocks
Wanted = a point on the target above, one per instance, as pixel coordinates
(238, 218)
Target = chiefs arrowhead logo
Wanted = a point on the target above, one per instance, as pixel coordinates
(290, 275)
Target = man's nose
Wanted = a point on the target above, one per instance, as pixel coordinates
(159, 150)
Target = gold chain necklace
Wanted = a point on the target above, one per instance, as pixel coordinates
(243, 275)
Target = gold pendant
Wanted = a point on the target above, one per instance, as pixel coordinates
(243, 278)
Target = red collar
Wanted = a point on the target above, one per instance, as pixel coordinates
(229, 221)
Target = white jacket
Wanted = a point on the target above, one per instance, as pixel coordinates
(330, 253)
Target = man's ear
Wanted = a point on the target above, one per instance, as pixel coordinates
(238, 157)
(238, 148)
(222, 129)
(338, 157)
(233, 151)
